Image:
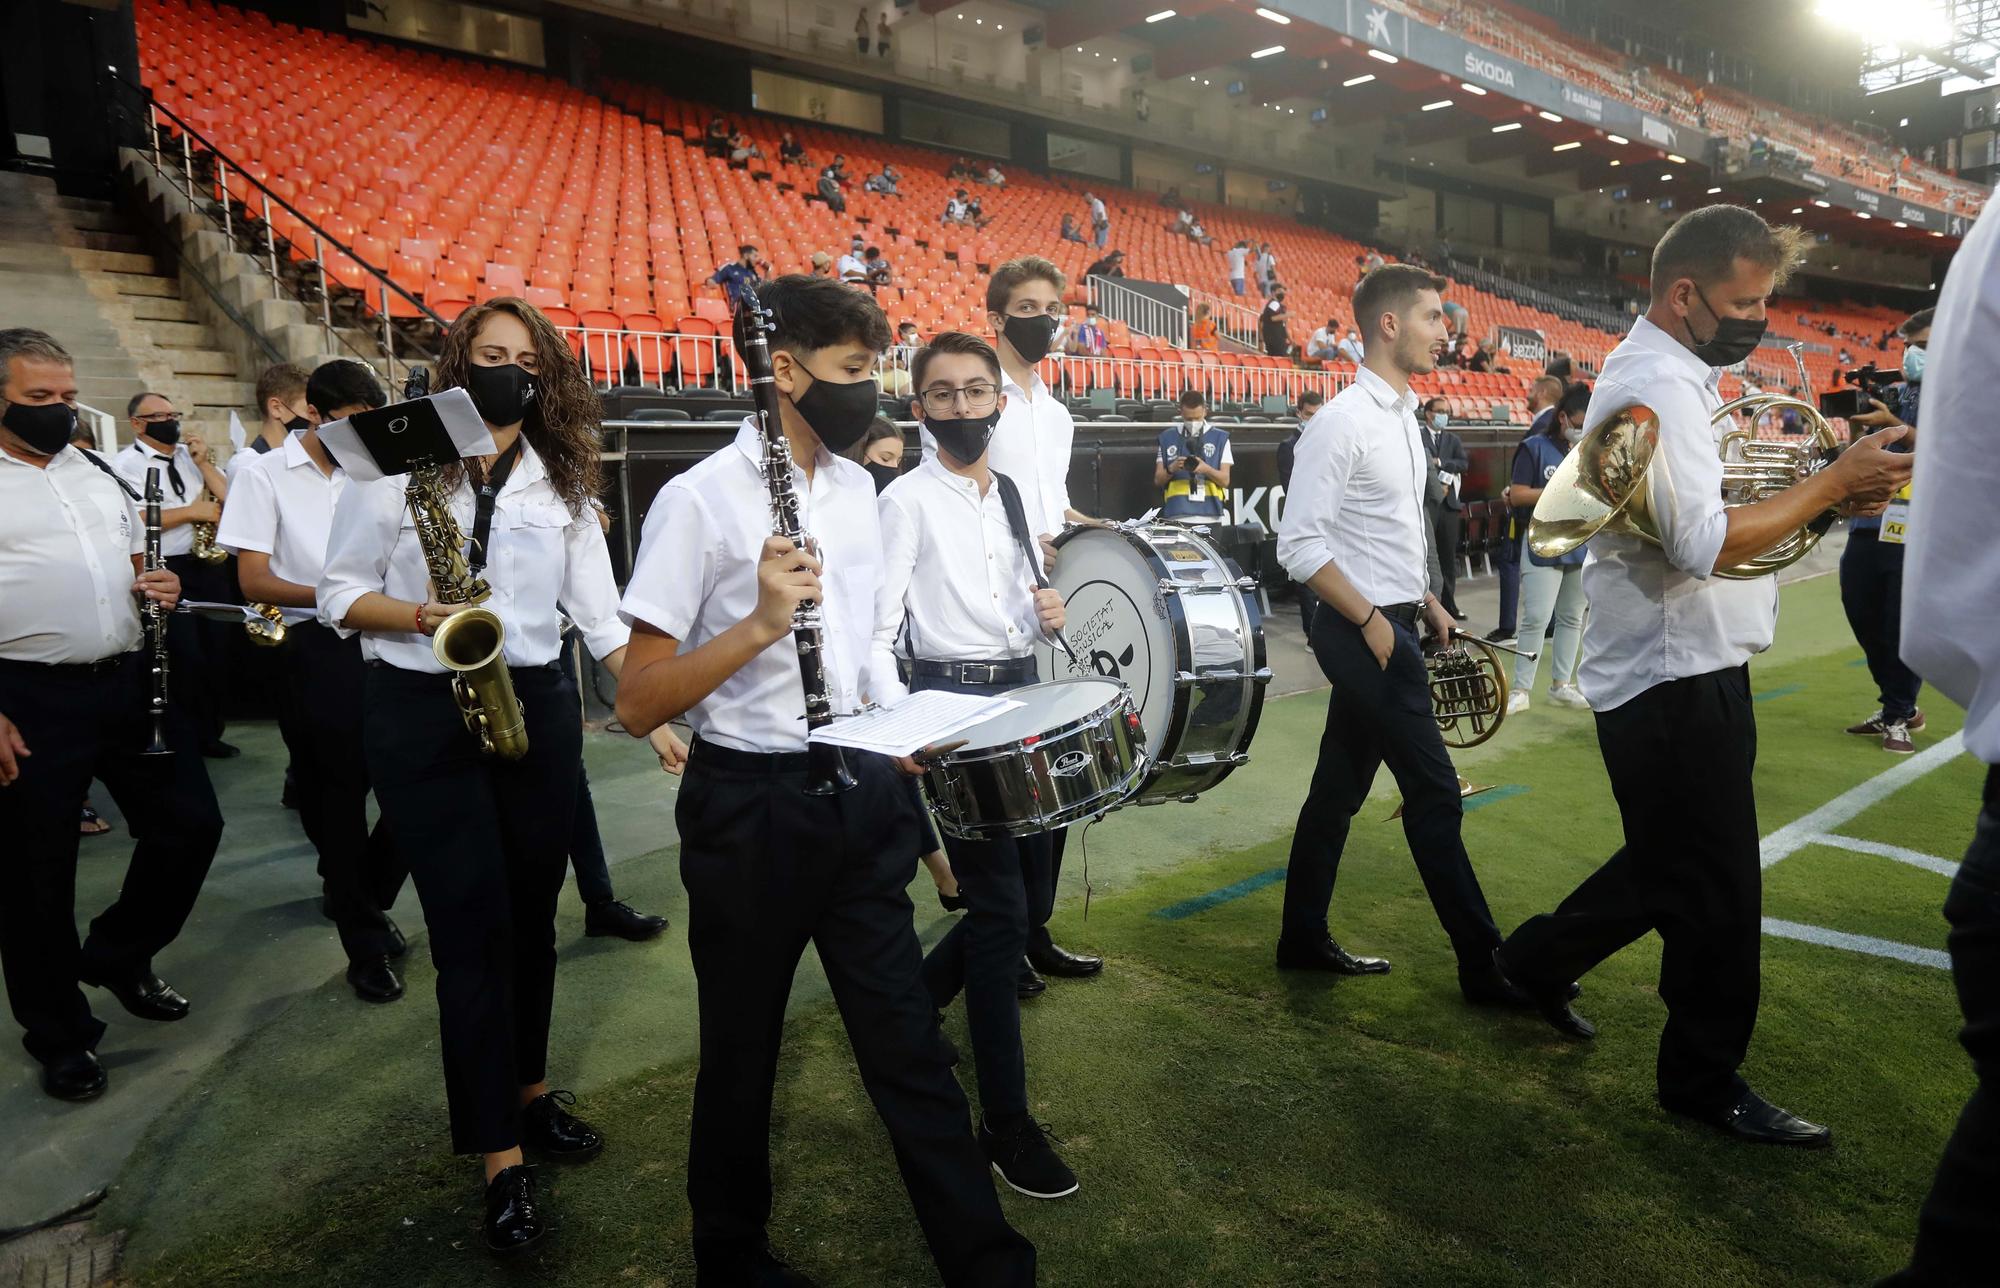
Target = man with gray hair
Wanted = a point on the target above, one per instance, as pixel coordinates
(74, 703)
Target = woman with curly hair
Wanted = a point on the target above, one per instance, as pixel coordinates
(487, 839)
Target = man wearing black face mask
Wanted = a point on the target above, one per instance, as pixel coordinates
(73, 706)
(1666, 670)
(952, 522)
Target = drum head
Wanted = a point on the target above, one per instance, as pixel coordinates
(1044, 708)
(1117, 621)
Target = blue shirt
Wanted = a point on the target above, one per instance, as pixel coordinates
(733, 277)
(1212, 445)
(1535, 462)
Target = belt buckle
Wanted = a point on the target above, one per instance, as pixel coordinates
(977, 673)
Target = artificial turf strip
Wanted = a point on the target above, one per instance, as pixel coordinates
(1231, 1124)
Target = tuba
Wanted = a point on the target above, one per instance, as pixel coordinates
(1601, 484)
(468, 644)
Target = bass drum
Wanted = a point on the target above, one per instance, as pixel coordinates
(1159, 609)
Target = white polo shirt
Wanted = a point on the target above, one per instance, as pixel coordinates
(954, 571)
(133, 463)
(280, 504)
(1030, 445)
(1656, 613)
(67, 536)
(546, 562)
(696, 576)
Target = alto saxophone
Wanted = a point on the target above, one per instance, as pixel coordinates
(470, 643)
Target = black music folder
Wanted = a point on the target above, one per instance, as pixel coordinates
(405, 436)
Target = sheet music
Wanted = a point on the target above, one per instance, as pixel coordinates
(913, 723)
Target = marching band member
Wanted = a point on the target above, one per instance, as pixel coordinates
(1665, 667)
(487, 838)
(958, 583)
(74, 706)
(1354, 533)
(197, 643)
(281, 396)
(769, 868)
(276, 523)
(1031, 445)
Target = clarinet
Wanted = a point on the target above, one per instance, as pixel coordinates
(156, 619)
(826, 765)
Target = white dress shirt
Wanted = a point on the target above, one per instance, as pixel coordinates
(67, 537)
(254, 449)
(133, 463)
(696, 576)
(1030, 445)
(543, 557)
(1357, 494)
(1951, 569)
(1655, 612)
(954, 571)
(280, 504)
(1321, 344)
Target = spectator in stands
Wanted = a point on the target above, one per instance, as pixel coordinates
(1183, 220)
(861, 31)
(877, 264)
(956, 209)
(1202, 332)
(1479, 359)
(739, 273)
(1267, 268)
(742, 150)
(1088, 341)
(1551, 587)
(896, 364)
(1871, 567)
(1321, 346)
(1846, 358)
(852, 268)
(1544, 400)
(993, 178)
(716, 140)
(973, 214)
(790, 151)
(1457, 315)
(1193, 463)
(1272, 324)
(1142, 107)
(1112, 265)
(822, 264)
(1100, 220)
(829, 190)
(884, 184)
(1372, 261)
(838, 168)
(1559, 366)
(1441, 502)
(882, 35)
(1069, 229)
(960, 169)
(1199, 235)
(1238, 257)
(1350, 346)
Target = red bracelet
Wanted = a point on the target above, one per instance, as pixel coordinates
(420, 620)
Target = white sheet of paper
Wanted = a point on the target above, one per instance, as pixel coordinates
(454, 407)
(914, 723)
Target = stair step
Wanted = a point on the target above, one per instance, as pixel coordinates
(142, 284)
(111, 261)
(217, 391)
(157, 308)
(108, 221)
(178, 335)
(122, 242)
(84, 203)
(198, 362)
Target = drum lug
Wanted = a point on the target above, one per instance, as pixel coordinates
(1168, 586)
(1185, 679)
(1246, 584)
(1262, 675)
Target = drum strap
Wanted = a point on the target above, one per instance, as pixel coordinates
(1017, 519)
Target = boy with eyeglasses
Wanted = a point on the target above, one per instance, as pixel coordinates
(959, 585)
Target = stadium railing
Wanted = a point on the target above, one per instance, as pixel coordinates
(1144, 314)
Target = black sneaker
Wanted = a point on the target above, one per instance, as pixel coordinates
(548, 1128)
(1022, 1157)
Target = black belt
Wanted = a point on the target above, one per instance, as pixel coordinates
(1407, 614)
(67, 670)
(1008, 670)
(713, 755)
(380, 665)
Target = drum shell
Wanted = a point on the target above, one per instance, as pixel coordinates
(1040, 784)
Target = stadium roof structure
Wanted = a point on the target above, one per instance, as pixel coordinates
(1368, 60)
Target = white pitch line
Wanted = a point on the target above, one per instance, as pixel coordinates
(1801, 831)
(1857, 943)
(1915, 858)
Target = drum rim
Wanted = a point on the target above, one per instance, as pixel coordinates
(980, 755)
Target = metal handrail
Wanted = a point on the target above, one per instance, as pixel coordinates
(1237, 321)
(322, 239)
(103, 426)
(1139, 311)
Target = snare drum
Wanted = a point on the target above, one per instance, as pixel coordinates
(1072, 750)
(1157, 608)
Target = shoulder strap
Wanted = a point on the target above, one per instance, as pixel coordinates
(114, 475)
(1017, 519)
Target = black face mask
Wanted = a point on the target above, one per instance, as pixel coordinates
(297, 423)
(1031, 337)
(964, 437)
(839, 414)
(883, 475)
(1734, 339)
(502, 394)
(167, 432)
(45, 427)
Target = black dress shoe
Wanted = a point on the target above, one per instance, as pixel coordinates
(1062, 963)
(398, 945)
(1553, 1007)
(1327, 956)
(1490, 988)
(951, 902)
(613, 917)
(373, 981)
(217, 749)
(76, 1076)
(548, 1128)
(1029, 984)
(514, 1217)
(1756, 1120)
(147, 996)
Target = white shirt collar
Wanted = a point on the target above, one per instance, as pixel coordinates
(1009, 385)
(1378, 389)
(1658, 340)
(750, 442)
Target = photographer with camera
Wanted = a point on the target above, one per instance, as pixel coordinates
(1871, 568)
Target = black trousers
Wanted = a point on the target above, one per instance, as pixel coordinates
(1871, 593)
(199, 646)
(981, 954)
(360, 869)
(1680, 756)
(1507, 566)
(78, 727)
(767, 870)
(1960, 1222)
(1448, 523)
(486, 841)
(1373, 717)
(586, 847)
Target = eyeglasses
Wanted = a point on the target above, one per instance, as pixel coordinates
(156, 417)
(977, 398)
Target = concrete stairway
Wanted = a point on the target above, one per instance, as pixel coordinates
(73, 267)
